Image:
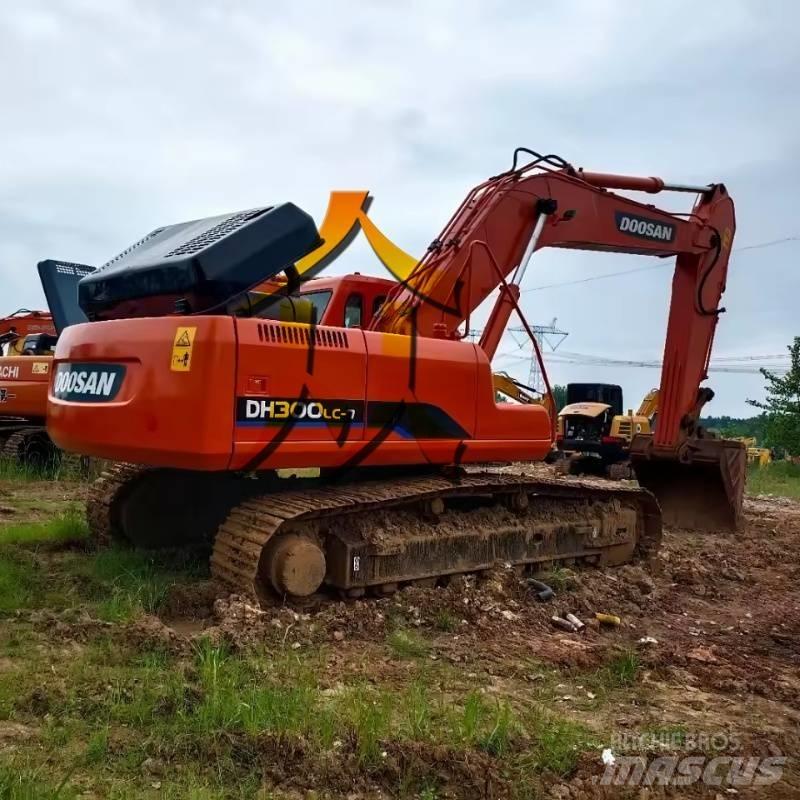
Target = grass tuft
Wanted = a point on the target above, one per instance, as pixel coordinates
(556, 743)
(69, 527)
(407, 644)
(132, 582)
(66, 470)
(622, 670)
(445, 621)
(560, 579)
(27, 784)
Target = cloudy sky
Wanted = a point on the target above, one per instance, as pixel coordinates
(120, 116)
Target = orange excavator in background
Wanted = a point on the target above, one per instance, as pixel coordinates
(27, 341)
(15, 328)
(188, 371)
(24, 380)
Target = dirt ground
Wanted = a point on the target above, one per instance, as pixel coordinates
(715, 621)
(705, 661)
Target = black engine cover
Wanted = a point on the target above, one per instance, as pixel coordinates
(204, 262)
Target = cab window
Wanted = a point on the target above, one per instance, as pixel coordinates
(377, 303)
(291, 309)
(353, 310)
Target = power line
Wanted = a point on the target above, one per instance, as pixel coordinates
(766, 244)
(593, 278)
(730, 364)
(757, 246)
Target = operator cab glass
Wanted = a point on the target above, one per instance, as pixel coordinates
(353, 310)
(297, 307)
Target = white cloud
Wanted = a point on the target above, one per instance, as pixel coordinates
(123, 115)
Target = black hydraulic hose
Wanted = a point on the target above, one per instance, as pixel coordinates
(699, 299)
(552, 159)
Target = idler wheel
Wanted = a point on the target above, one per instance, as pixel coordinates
(296, 565)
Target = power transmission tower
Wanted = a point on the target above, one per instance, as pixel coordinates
(547, 336)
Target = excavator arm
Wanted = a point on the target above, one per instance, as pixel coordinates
(649, 405)
(489, 241)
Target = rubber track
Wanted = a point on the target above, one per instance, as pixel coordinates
(250, 525)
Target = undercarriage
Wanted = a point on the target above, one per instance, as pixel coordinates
(367, 535)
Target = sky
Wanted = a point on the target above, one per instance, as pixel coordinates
(122, 116)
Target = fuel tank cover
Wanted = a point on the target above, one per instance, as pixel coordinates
(203, 262)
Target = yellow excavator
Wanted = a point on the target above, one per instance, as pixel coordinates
(755, 454)
(594, 434)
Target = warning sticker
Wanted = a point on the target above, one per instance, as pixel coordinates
(182, 349)
(40, 368)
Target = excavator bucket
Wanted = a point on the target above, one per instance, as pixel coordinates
(703, 490)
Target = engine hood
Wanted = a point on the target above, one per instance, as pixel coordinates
(584, 410)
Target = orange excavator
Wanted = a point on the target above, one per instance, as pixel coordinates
(24, 380)
(190, 372)
(27, 341)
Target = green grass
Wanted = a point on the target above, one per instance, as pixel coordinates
(445, 621)
(557, 744)
(114, 585)
(406, 643)
(209, 711)
(214, 717)
(28, 784)
(68, 527)
(130, 582)
(622, 670)
(68, 471)
(560, 579)
(617, 675)
(780, 478)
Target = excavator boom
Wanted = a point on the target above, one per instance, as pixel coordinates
(490, 240)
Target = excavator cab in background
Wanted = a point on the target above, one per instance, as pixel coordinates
(594, 434)
(17, 327)
(174, 375)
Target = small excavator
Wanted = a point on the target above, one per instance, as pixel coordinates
(27, 342)
(189, 373)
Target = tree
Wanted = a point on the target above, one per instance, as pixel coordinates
(782, 406)
(733, 427)
(559, 395)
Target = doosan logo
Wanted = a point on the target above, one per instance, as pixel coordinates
(88, 382)
(645, 228)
